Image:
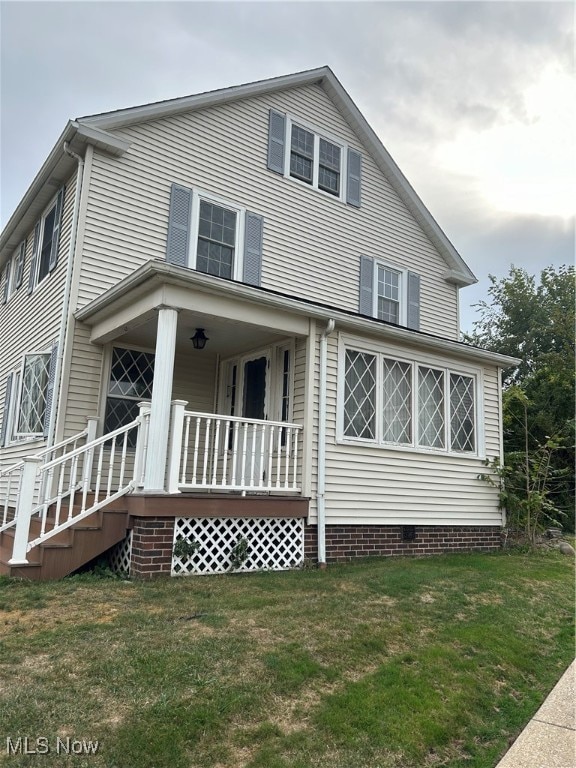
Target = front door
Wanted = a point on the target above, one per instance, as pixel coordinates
(254, 406)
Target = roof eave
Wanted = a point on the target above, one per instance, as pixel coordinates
(161, 272)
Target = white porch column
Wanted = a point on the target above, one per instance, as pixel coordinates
(155, 473)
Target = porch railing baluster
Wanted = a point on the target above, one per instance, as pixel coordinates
(234, 453)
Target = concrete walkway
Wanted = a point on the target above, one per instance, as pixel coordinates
(548, 741)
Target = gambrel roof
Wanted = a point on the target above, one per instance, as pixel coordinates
(94, 129)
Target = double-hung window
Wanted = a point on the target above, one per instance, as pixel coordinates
(315, 160)
(7, 284)
(216, 246)
(46, 240)
(390, 302)
(407, 403)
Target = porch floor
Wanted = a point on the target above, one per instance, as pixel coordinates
(216, 505)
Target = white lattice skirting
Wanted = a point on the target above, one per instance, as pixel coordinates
(225, 545)
(120, 556)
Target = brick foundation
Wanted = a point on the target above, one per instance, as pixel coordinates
(346, 542)
(152, 542)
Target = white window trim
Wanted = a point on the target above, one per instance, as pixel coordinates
(448, 366)
(107, 370)
(318, 134)
(197, 197)
(403, 290)
(22, 436)
(38, 246)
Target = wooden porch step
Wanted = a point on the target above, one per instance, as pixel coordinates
(69, 549)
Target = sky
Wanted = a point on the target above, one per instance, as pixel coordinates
(475, 101)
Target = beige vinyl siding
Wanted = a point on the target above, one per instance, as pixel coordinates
(372, 484)
(31, 322)
(312, 242)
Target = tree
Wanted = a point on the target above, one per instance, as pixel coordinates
(535, 321)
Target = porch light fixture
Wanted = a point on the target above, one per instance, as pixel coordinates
(199, 339)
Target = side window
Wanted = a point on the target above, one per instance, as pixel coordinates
(46, 242)
(130, 382)
(33, 403)
(7, 281)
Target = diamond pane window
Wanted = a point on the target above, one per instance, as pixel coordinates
(33, 394)
(360, 395)
(397, 402)
(216, 240)
(131, 377)
(431, 407)
(462, 426)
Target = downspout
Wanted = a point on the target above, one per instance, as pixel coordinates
(321, 497)
(67, 290)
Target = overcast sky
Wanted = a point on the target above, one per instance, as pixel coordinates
(474, 100)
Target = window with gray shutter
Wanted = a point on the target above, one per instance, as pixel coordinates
(253, 237)
(353, 191)
(178, 241)
(50, 387)
(366, 298)
(34, 262)
(413, 313)
(276, 140)
(19, 269)
(4, 431)
(55, 239)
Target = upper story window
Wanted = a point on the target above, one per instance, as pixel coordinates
(409, 404)
(315, 160)
(216, 248)
(389, 293)
(214, 236)
(300, 151)
(7, 281)
(46, 241)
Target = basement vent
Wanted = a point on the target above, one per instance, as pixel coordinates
(408, 533)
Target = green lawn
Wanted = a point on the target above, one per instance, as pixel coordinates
(383, 663)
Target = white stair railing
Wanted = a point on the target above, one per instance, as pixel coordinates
(77, 483)
(227, 453)
(11, 477)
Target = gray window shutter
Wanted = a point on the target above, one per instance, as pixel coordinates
(353, 194)
(276, 140)
(56, 234)
(6, 277)
(50, 387)
(178, 242)
(253, 236)
(20, 259)
(4, 436)
(413, 301)
(366, 303)
(34, 262)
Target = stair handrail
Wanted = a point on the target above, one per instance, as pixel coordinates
(34, 470)
(88, 432)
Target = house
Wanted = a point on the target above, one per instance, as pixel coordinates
(230, 338)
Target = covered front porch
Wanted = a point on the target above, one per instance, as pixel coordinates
(225, 414)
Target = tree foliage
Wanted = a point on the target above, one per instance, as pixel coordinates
(535, 321)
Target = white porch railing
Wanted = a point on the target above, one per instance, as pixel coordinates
(10, 478)
(69, 488)
(215, 452)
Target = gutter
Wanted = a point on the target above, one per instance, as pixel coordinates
(159, 272)
(321, 494)
(67, 291)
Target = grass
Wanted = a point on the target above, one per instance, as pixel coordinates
(392, 663)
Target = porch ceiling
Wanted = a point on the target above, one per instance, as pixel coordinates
(226, 337)
(231, 316)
